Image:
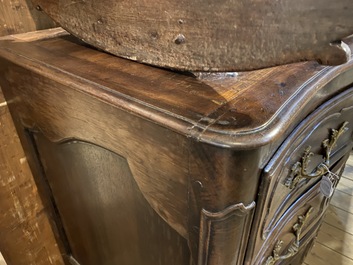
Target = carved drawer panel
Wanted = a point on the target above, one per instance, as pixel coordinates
(319, 144)
(294, 232)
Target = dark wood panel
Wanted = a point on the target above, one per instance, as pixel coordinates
(311, 132)
(164, 161)
(306, 212)
(62, 113)
(160, 159)
(192, 146)
(2, 99)
(106, 217)
(205, 35)
(275, 198)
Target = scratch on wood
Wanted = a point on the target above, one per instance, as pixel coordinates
(74, 3)
(18, 207)
(3, 104)
(8, 181)
(217, 102)
(50, 260)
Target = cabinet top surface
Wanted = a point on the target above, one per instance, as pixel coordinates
(221, 108)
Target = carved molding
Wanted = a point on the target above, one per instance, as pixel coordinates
(223, 235)
(279, 170)
(294, 247)
(299, 170)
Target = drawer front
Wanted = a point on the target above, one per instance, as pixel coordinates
(318, 145)
(292, 234)
(302, 167)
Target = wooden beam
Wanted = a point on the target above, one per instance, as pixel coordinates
(19, 16)
(26, 234)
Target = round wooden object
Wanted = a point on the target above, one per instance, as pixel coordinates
(210, 35)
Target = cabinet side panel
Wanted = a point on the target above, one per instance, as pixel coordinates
(106, 218)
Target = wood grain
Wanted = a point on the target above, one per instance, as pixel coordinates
(191, 143)
(337, 240)
(89, 181)
(19, 16)
(228, 105)
(346, 184)
(349, 170)
(340, 219)
(35, 35)
(319, 257)
(206, 35)
(26, 234)
(2, 99)
(342, 201)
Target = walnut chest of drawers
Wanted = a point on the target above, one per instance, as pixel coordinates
(155, 167)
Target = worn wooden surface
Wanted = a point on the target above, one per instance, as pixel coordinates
(276, 199)
(2, 261)
(191, 148)
(26, 235)
(35, 35)
(2, 99)
(228, 104)
(207, 35)
(19, 16)
(89, 181)
(25, 232)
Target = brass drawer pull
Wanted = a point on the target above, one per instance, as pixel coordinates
(299, 169)
(294, 248)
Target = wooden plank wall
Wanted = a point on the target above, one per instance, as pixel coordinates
(19, 16)
(26, 237)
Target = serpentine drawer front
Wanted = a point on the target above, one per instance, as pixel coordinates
(146, 166)
(311, 152)
(296, 227)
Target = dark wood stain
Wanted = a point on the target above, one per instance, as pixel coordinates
(102, 206)
(188, 149)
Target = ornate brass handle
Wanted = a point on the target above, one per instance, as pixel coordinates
(299, 169)
(294, 248)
